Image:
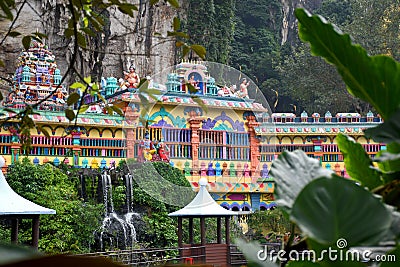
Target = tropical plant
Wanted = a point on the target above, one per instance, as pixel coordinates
(71, 229)
(269, 225)
(334, 212)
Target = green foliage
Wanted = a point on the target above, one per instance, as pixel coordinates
(311, 84)
(292, 172)
(339, 12)
(379, 17)
(160, 186)
(387, 132)
(160, 230)
(369, 83)
(327, 207)
(269, 225)
(358, 164)
(153, 184)
(71, 229)
(210, 23)
(119, 196)
(250, 251)
(256, 45)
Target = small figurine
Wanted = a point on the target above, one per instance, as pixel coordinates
(193, 82)
(60, 96)
(163, 151)
(147, 148)
(225, 91)
(243, 89)
(28, 95)
(132, 78)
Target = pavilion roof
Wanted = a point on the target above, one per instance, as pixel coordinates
(203, 205)
(13, 204)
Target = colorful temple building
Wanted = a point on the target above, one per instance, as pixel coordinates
(223, 130)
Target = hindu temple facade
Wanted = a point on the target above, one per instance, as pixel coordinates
(203, 123)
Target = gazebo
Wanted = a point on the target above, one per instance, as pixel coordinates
(204, 206)
(16, 208)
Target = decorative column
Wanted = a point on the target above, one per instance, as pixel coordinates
(14, 230)
(15, 149)
(35, 231)
(317, 142)
(131, 117)
(254, 146)
(195, 124)
(76, 142)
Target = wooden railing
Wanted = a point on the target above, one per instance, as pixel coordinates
(152, 256)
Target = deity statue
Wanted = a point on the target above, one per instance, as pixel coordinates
(132, 79)
(227, 91)
(147, 148)
(243, 89)
(193, 82)
(59, 95)
(163, 151)
(28, 94)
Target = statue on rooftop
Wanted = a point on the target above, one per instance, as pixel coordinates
(193, 82)
(243, 92)
(60, 96)
(132, 79)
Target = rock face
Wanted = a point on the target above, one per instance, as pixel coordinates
(289, 23)
(125, 40)
(140, 41)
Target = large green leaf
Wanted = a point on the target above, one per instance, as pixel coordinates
(65, 260)
(327, 210)
(254, 254)
(389, 160)
(374, 79)
(392, 258)
(388, 131)
(358, 164)
(291, 172)
(12, 253)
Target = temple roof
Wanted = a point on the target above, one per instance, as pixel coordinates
(13, 204)
(203, 205)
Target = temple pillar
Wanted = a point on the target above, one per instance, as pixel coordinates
(14, 230)
(131, 116)
(15, 150)
(76, 149)
(195, 124)
(35, 231)
(318, 153)
(191, 231)
(254, 146)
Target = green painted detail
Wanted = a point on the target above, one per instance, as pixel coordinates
(187, 168)
(177, 122)
(232, 170)
(223, 127)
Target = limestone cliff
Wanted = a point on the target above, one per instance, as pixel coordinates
(289, 22)
(140, 41)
